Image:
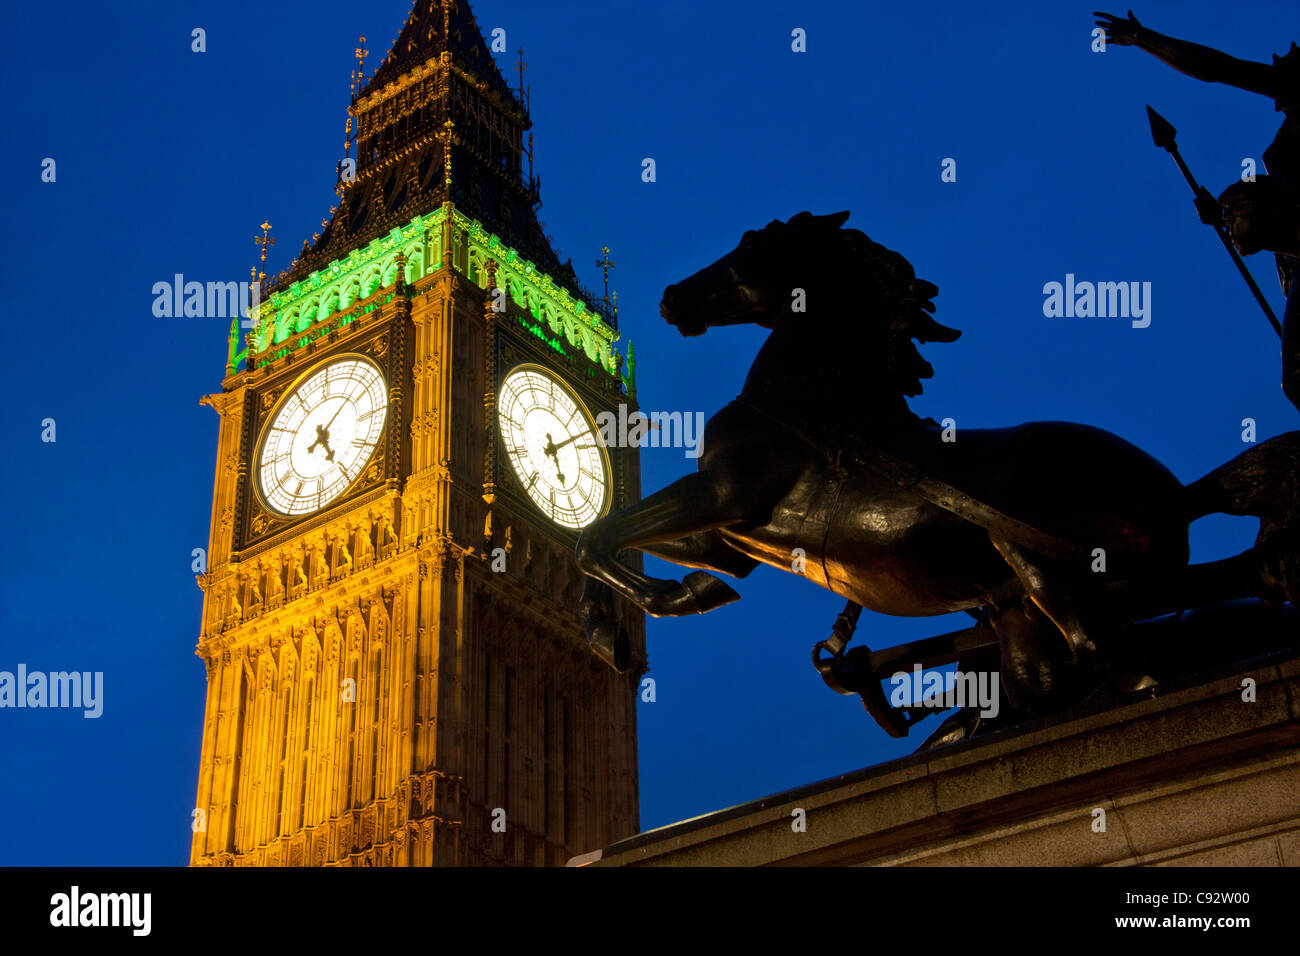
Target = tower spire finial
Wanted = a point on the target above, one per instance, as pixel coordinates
(520, 67)
(361, 54)
(264, 240)
(606, 263)
(358, 77)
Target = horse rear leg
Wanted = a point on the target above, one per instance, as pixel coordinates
(1046, 589)
(688, 507)
(1031, 664)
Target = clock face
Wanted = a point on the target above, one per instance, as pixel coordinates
(553, 447)
(321, 436)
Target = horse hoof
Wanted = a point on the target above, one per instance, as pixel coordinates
(960, 726)
(613, 645)
(708, 591)
(622, 649)
(1129, 682)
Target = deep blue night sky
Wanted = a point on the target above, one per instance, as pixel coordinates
(168, 160)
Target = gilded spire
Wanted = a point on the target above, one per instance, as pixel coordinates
(264, 240)
(358, 78)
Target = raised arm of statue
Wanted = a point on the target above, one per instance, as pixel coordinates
(1201, 62)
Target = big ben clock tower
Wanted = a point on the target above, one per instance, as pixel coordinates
(396, 670)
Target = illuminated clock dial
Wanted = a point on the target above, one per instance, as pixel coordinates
(552, 444)
(321, 436)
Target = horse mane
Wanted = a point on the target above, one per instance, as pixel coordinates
(901, 305)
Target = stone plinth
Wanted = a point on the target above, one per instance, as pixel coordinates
(1190, 776)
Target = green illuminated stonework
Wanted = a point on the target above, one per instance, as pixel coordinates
(323, 328)
(322, 302)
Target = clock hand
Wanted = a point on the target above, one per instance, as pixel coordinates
(551, 447)
(322, 438)
(336, 413)
(550, 452)
(323, 432)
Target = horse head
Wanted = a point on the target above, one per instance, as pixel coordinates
(756, 281)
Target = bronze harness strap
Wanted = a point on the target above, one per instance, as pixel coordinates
(907, 475)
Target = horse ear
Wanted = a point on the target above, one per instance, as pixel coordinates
(838, 219)
(800, 219)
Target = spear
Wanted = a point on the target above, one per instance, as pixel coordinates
(1164, 134)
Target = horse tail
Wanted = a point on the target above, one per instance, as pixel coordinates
(1263, 481)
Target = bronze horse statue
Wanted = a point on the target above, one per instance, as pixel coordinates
(819, 466)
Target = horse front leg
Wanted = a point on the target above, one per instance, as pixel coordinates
(685, 508)
(605, 632)
(600, 620)
(706, 550)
